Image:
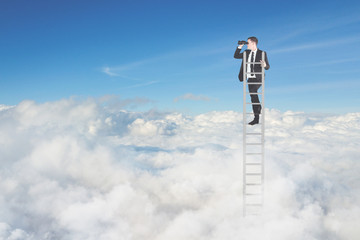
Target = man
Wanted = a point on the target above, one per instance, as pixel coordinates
(253, 54)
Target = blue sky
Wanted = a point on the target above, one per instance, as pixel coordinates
(178, 55)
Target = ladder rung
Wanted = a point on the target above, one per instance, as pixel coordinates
(253, 184)
(253, 143)
(253, 194)
(253, 174)
(253, 204)
(253, 153)
(253, 163)
(254, 103)
(253, 133)
(253, 73)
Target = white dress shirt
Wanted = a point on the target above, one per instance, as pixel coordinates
(248, 65)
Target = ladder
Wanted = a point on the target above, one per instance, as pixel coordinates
(253, 147)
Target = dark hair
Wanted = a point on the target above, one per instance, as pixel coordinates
(254, 39)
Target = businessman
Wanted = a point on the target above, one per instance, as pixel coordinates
(253, 54)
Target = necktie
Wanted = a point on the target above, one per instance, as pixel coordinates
(252, 60)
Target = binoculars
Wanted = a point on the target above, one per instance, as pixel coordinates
(242, 42)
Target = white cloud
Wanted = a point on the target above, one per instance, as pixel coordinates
(88, 170)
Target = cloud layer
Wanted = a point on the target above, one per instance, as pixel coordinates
(90, 170)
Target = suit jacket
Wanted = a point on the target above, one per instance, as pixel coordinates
(257, 67)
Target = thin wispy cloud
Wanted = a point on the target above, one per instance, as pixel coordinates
(109, 71)
(169, 56)
(192, 97)
(325, 63)
(141, 84)
(287, 36)
(344, 71)
(337, 61)
(313, 25)
(313, 45)
(131, 65)
(331, 22)
(118, 70)
(331, 84)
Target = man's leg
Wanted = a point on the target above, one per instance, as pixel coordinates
(253, 88)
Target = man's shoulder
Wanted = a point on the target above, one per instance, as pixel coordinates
(259, 50)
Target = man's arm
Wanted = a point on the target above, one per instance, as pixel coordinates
(237, 53)
(265, 64)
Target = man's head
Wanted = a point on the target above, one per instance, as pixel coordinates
(252, 43)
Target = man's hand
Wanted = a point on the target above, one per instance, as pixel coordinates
(240, 46)
(263, 64)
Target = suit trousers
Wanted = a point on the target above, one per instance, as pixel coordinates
(253, 88)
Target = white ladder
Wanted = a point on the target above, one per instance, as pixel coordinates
(253, 147)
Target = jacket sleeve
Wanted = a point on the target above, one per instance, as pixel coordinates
(237, 54)
(267, 62)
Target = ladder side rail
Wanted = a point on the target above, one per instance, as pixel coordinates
(263, 129)
(244, 131)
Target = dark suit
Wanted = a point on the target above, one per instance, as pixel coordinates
(253, 88)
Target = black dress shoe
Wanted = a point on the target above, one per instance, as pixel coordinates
(255, 121)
